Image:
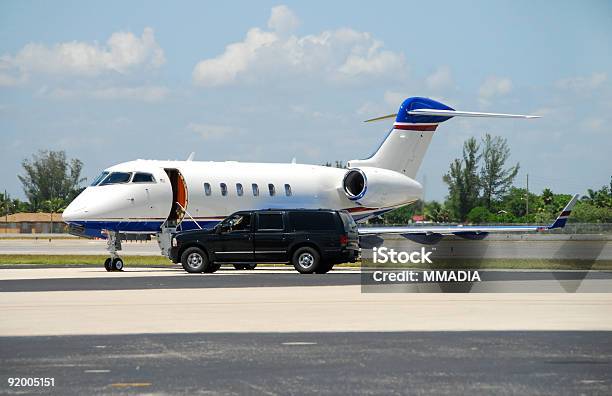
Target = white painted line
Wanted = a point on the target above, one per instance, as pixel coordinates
(299, 343)
(97, 371)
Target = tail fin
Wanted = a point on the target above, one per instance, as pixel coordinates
(404, 147)
(562, 218)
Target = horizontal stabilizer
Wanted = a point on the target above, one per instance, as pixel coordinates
(381, 118)
(456, 113)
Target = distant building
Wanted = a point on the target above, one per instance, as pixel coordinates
(32, 223)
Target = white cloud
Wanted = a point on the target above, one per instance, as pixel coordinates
(213, 131)
(582, 83)
(440, 79)
(339, 55)
(122, 53)
(144, 93)
(139, 93)
(494, 87)
(283, 20)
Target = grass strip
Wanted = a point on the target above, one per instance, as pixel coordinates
(462, 263)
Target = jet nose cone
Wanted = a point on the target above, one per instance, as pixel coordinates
(75, 211)
(71, 214)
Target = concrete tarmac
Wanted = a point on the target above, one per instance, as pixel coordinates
(97, 302)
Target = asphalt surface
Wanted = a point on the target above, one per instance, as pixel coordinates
(424, 363)
(279, 278)
(273, 331)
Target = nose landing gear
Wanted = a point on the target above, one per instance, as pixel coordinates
(113, 244)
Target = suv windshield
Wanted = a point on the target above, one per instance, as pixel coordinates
(116, 177)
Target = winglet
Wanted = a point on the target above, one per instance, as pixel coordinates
(562, 218)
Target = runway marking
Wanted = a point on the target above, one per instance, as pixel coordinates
(299, 343)
(100, 346)
(97, 371)
(130, 384)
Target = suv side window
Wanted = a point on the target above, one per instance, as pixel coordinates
(270, 221)
(241, 222)
(312, 221)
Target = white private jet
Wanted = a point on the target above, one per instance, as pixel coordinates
(150, 197)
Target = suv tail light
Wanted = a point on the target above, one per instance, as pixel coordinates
(343, 240)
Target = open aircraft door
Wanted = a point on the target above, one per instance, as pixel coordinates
(179, 197)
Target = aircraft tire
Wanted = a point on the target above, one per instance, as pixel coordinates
(107, 264)
(117, 264)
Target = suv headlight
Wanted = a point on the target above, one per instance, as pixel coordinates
(174, 243)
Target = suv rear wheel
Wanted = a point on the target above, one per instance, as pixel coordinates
(306, 260)
(194, 260)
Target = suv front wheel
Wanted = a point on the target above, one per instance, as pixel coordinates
(194, 260)
(306, 260)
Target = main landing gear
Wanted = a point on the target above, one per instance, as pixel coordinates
(113, 244)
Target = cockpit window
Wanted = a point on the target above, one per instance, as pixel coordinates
(98, 179)
(143, 178)
(116, 178)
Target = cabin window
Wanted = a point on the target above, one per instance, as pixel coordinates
(255, 189)
(140, 177)
(239, 189)
(98, 179)
(271, 189)
(207, 189)
(288, 190)
(223, 189)
(116, 178)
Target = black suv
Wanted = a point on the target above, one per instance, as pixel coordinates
(311, 240)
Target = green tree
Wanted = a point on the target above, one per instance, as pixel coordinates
(335, 164)
(479, 215)
(463, 181)
(48, 176)
(436, 212)
(601, 198)
(403, 214)
(9, 206)
(495, 179)
(547, 196)
(55, 205)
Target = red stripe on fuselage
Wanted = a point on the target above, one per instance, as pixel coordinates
(416, 127)
(359, 209)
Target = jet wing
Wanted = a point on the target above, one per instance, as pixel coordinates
(461, 230)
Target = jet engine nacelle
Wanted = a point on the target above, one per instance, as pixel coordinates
(377, 187)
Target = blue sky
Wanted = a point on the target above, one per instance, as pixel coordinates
(266, 81)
